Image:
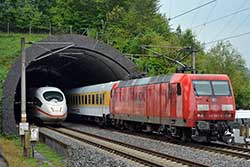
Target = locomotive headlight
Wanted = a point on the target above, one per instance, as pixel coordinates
(228, 115)
(200, 115)
(227, 107)
(202, 107)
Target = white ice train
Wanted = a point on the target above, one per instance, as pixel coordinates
(48, 105)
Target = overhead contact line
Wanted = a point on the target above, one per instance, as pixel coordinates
(220, 18)
(191, 10)
(226, 38)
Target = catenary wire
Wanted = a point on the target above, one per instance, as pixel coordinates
(192, 10)
(195, 15)
(220, 18)
(229, 21)
(209, 14)
(241, 23)
(226, 38)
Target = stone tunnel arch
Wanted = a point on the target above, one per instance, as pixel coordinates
(87, 61)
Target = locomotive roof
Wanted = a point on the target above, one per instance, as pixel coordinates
(145, 81)
(169, 78)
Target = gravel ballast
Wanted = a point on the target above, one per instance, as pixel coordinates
(204, 157)
(84, 155)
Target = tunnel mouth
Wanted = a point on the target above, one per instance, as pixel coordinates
(88, 62)
(71, 68)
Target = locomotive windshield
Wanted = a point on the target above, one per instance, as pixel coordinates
(202, 88)
(221, 88)
(208, 88)
(53, 95)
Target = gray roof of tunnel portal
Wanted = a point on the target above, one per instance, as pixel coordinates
(88, 61)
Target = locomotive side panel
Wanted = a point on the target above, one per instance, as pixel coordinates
(122, 103)
(165, 103)
(188, 101)
(173, 100)
(139, 101)
(153, 104)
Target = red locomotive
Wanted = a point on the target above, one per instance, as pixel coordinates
(189, 106)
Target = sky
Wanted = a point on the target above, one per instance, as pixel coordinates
(229, 26)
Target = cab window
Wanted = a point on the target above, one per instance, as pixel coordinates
(202, 88)
(221, 88)
(53, 95)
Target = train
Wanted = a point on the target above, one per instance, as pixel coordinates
(196, 107)
(47, 105)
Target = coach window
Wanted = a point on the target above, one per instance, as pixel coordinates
(101, 100)
(89, 99)
(178, 89)
(79, 100)
(93, 99)
(85, 99)
(82, 99)
(97, 99)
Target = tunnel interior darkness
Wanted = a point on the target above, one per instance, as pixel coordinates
(73, 67)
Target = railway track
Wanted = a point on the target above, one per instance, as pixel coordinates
(226, 150)
(220, 149)
(137, 154)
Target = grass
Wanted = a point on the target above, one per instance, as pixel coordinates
(13, 152)
(10, 45)
(51, 155)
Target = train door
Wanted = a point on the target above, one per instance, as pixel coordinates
(173, 91)
(176, 100)
(165, 106)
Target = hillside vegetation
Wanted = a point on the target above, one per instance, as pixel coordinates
(126, 25)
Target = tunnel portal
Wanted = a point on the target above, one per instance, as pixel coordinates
(65, 62)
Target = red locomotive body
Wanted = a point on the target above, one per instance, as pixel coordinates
(198, 106)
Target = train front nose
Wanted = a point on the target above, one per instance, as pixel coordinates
(59, 112)
(214, 109)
